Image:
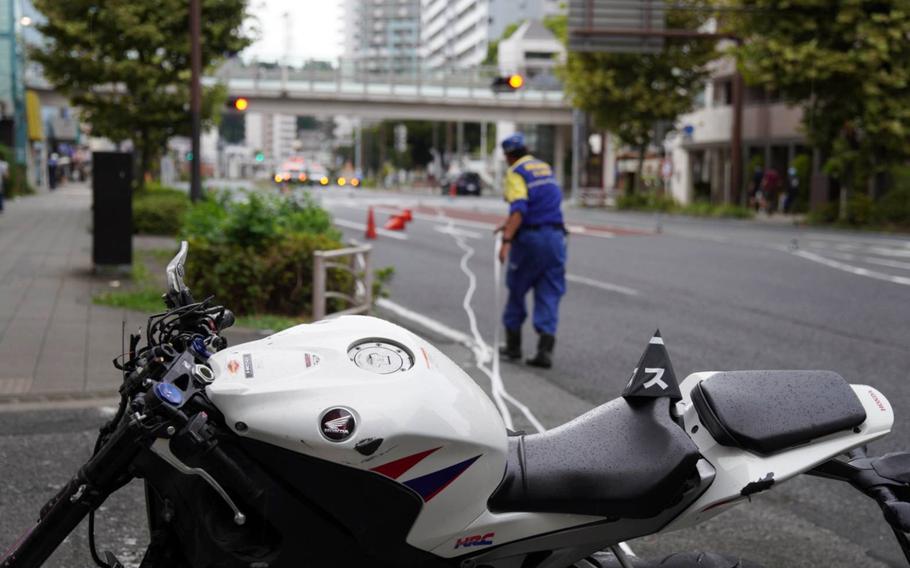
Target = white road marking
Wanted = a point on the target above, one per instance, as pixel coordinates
(363, 227)
(601, 285)
(852, 269)
(429, 323)
(447, 230)
(582, 230)
(870, 260)
(441, 218)
(865, 241)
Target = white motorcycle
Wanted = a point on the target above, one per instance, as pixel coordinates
(354, 442)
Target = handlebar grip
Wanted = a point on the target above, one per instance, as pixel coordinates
(228, 473)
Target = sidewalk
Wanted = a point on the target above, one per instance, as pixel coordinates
(54, 343)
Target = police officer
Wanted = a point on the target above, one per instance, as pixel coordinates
(534, 241)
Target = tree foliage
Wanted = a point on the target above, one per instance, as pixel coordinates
(126, 64)
(630, 94)
(847, 63)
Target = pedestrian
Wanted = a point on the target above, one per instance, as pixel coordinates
(756, 195)
(52, 170)
(792, 189)
(534, 241)
(770, 184)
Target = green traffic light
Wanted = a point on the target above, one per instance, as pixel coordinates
(260, 157)
(189, 156)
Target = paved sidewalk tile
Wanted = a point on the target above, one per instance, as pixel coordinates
(52, 339)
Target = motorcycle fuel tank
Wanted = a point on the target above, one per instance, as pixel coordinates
(368, 394)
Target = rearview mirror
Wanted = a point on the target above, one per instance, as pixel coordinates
(177, 293)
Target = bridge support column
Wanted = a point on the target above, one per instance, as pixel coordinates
(358, 148)
(503, 129)
(559, 154)
(459, 143)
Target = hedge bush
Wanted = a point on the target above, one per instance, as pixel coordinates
(16, 183)
(646, 201)
(159, 210)
(256, 256)
(891, 211)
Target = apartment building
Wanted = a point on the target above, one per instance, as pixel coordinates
(382, 36)
(456, 34)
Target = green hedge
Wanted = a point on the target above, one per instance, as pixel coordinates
(16, 183)
(256, 256)
(159, 210)
(892, 211)
(646, 201)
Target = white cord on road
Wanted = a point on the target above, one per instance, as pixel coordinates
(483, 353)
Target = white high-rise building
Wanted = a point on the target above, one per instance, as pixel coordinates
(382, 36)
(456, 33)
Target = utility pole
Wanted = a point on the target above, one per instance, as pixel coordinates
(196, 98)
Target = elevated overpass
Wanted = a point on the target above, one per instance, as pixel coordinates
(453, 96)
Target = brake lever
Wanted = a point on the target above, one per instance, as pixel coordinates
(162, 448)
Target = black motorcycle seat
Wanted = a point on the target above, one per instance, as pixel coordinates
(770, 411)
(621, 460)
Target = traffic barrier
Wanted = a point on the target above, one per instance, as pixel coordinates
(371, 225)
(395, 223)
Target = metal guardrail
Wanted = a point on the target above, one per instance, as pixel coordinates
(470, 84)
(358, 264)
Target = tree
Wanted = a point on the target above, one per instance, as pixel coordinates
(492, 57)
(126, 65)
(847, 63)
(633, 94)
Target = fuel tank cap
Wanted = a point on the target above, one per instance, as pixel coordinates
(381, 356)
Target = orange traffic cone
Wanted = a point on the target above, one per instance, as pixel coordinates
(406, 215)
(396, 223)
(371, 225)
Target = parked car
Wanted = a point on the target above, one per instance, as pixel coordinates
(465, 183)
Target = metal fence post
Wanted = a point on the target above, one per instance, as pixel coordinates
(318, 286)
(367, 278)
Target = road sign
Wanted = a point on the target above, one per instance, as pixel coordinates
(617, 26)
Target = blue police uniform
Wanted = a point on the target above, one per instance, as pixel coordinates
(537, 258)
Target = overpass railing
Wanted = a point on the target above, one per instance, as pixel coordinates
(347, 78)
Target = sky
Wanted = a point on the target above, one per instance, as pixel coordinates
(315, 30)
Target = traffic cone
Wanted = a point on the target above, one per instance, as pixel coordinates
(406, 215)
(396, 223)
(371, 225)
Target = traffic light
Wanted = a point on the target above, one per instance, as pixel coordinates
(507, 83)
(260, 157)
(240, 104)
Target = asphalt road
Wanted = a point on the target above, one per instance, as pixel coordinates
(726, 295)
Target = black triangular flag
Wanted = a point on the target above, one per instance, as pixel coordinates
(654, 376)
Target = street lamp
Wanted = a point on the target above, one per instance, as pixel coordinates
(25, 21)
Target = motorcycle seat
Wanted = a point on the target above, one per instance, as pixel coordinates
(620, 460)
(770, 411)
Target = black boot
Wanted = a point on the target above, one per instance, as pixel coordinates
(512, 348)
(544, 357)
